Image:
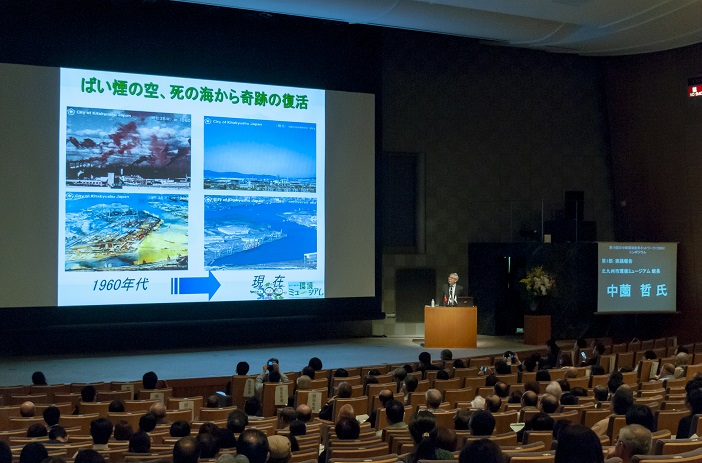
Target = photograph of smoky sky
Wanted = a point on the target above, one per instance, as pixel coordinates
(120, 149)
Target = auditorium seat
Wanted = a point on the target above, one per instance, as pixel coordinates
(215, 414)
(531, 457)
(109, 396)
(192, 403)
(694, 456)
(672, 446)
(669, 419)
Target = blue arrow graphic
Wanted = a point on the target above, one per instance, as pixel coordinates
(195, 285)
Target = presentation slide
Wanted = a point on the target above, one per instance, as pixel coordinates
(637, 277)
(161, 189)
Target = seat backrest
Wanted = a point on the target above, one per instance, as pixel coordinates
(694, 456)
(669, 419)
(673, 446)
(532, 437)
(214, 414)
(531, 457)
(359, 404)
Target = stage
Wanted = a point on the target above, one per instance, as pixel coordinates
(192, 363)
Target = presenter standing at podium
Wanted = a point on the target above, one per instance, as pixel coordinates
(451, 291)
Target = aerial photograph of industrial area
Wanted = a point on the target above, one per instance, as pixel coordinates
(120, 231)
(121, 149)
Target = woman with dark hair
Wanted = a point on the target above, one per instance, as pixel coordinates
(578, 444)
(423, 429)
(482, 450)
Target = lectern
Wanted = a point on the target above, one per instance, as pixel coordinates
(446, 327)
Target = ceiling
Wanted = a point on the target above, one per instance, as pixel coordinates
(585, 27)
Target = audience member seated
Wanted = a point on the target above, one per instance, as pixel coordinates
(51, 415)
(285, 417)
(140, 442)
(38, 379)
(601, 393)
(425, 362)
(101, 431)
(209, 445)
(597, 352)
(27, 409)
(187, 450)
(441, 374)
(622, 400)
(543, 376)
(343, 391)
(501, 367)
(384, 396)
(123, 430)
(252, 407)
(147, 422)
(461, 419)
(304, 413)
(458, 363)
(633, 440)
(226, 438)
(569, 399)
(579, 391)
(88, 456)
(408, 386)
(515, 397)
(237, 420)
(271, 374)
(242, 368)
(5, 453)
(304, 383)
(315, 363)
(641, 414)
(57, 435)
(446, 439)
(615, 380)
(530, 400)
(395, 412)
(483, 451)
(578, 444)
(493, 403)
(532, 386)
(553, 352)
(346, 429)
(149, 380)
(501, 390)
(212, 401)
(482, 423)
(180, 428)
(37, 430)
(280, 449)
(159, 410)
(424, 430)
(433, 399)
(554, 389)
(88, 393)
(116, 406)
(549, 403)
(308, 371)
(539, 422)
(298, 428)
(694, 403)
(33, 452)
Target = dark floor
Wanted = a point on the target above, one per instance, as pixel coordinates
(124, 366)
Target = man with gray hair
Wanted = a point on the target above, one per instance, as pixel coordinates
(633, 439)
(451, 291)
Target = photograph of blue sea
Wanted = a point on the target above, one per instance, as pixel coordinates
(260, 233)
(260, 155)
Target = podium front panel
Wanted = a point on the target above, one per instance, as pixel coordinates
(450, 327)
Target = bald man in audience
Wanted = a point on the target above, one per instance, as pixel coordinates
(501, 389)
(186, 450)
(384, 396)
(493, 403)
(530, 399)
(304, 413)
(159, 410)
(634, 439)
(27, 409)
(433, 400)
(549, 403)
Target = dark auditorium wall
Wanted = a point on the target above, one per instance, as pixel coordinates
(657, 164)
(501, 129)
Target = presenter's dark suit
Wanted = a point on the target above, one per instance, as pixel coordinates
(445, 292)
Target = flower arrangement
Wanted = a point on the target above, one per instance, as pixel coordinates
(538, 283)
